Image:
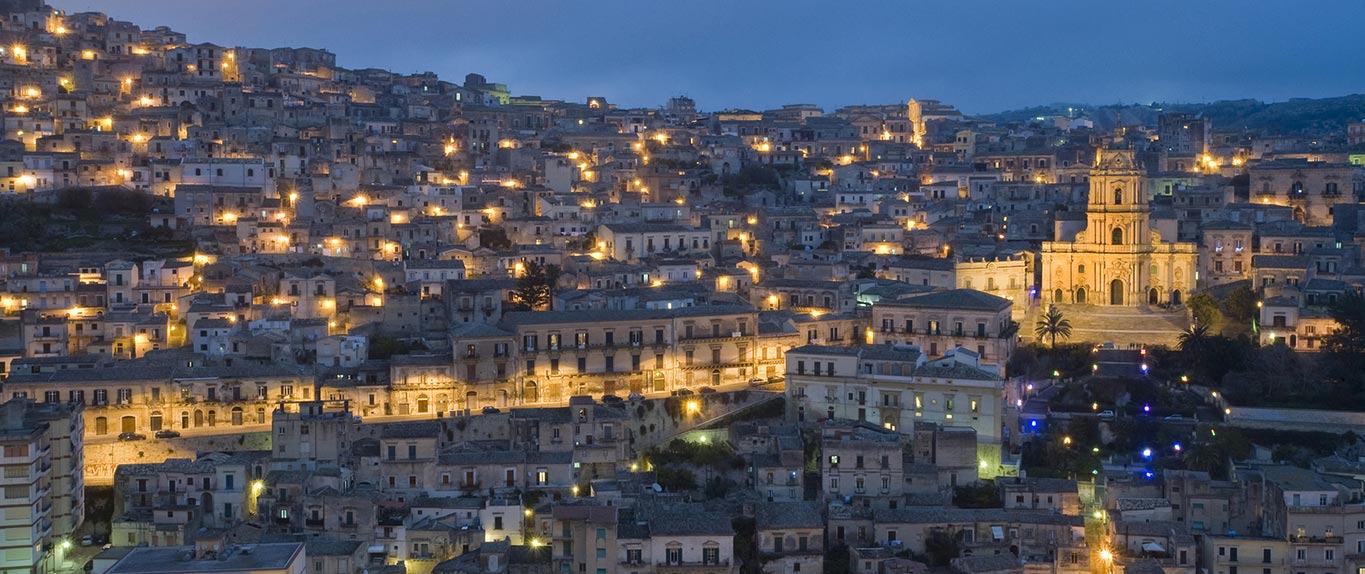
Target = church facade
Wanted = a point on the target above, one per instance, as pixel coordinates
(1117, 259)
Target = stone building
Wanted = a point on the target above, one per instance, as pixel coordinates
(1118, 259)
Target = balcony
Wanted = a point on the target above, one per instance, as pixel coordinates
(1315, 539)
(662, 567)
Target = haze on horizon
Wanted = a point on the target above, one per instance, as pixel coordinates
(980, 55)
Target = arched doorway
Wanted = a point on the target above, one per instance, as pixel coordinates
(1116, 292)
(184, 419)
(1152, 296)
(237, 416)
(1080, 294)
(1175, 297)
(213, 418)
(715, 377)
(532, 393)
(198, 418)
(1057, 295)
(471, 399)
(423, 403)
(155, 421)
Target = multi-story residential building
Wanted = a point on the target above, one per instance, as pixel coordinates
(633, 241)
(793, 534)
(1225, 554)
(407, 451)
(862, 461)
(584, 537)
(1310, 188)
(942, 320)
(1285, 319)
(1185, 137)
(153, 394)
(1054, 541)
(563, 353)
(1053, 494)
(1225, 251)
(44, 486)
(216, 490)
(896, 387)
(312, 434)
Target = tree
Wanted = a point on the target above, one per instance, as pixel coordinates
(1205, 458)
(1204, 308)
(1052, 325)
(979, 495)
(1347, 342)
(1240, 303)
(1195, 340)
(674, 479)
(74, 198)
(940, 547)
(536, 286)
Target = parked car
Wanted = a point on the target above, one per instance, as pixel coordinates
(706, 390)
(167, 433)
(757, 382)
(1106, 414)
(1174, 418)
(636, 397)
(683, 393)
(87, 540)
(491, 410)
(131, 436)
(612, 400)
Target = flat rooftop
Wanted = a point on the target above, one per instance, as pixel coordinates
(248, 558)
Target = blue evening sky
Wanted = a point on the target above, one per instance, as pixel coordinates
(981, 55)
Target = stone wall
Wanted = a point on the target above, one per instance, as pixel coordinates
(103, 458)
(1296, 419)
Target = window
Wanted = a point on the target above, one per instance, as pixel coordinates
(710, 555)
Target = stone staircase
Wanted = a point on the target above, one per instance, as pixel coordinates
(1125, 327)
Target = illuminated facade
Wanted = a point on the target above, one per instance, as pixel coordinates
(1118, 259)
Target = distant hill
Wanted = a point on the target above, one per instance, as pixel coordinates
(1299, 115)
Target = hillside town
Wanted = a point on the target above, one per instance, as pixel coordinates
(363, 322)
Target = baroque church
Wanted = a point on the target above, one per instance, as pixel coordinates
(1117, 259)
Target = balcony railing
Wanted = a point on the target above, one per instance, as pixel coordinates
(685, 565)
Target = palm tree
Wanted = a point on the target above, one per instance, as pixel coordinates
(1194, 339)
(1052, 325)
(1203, 457)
